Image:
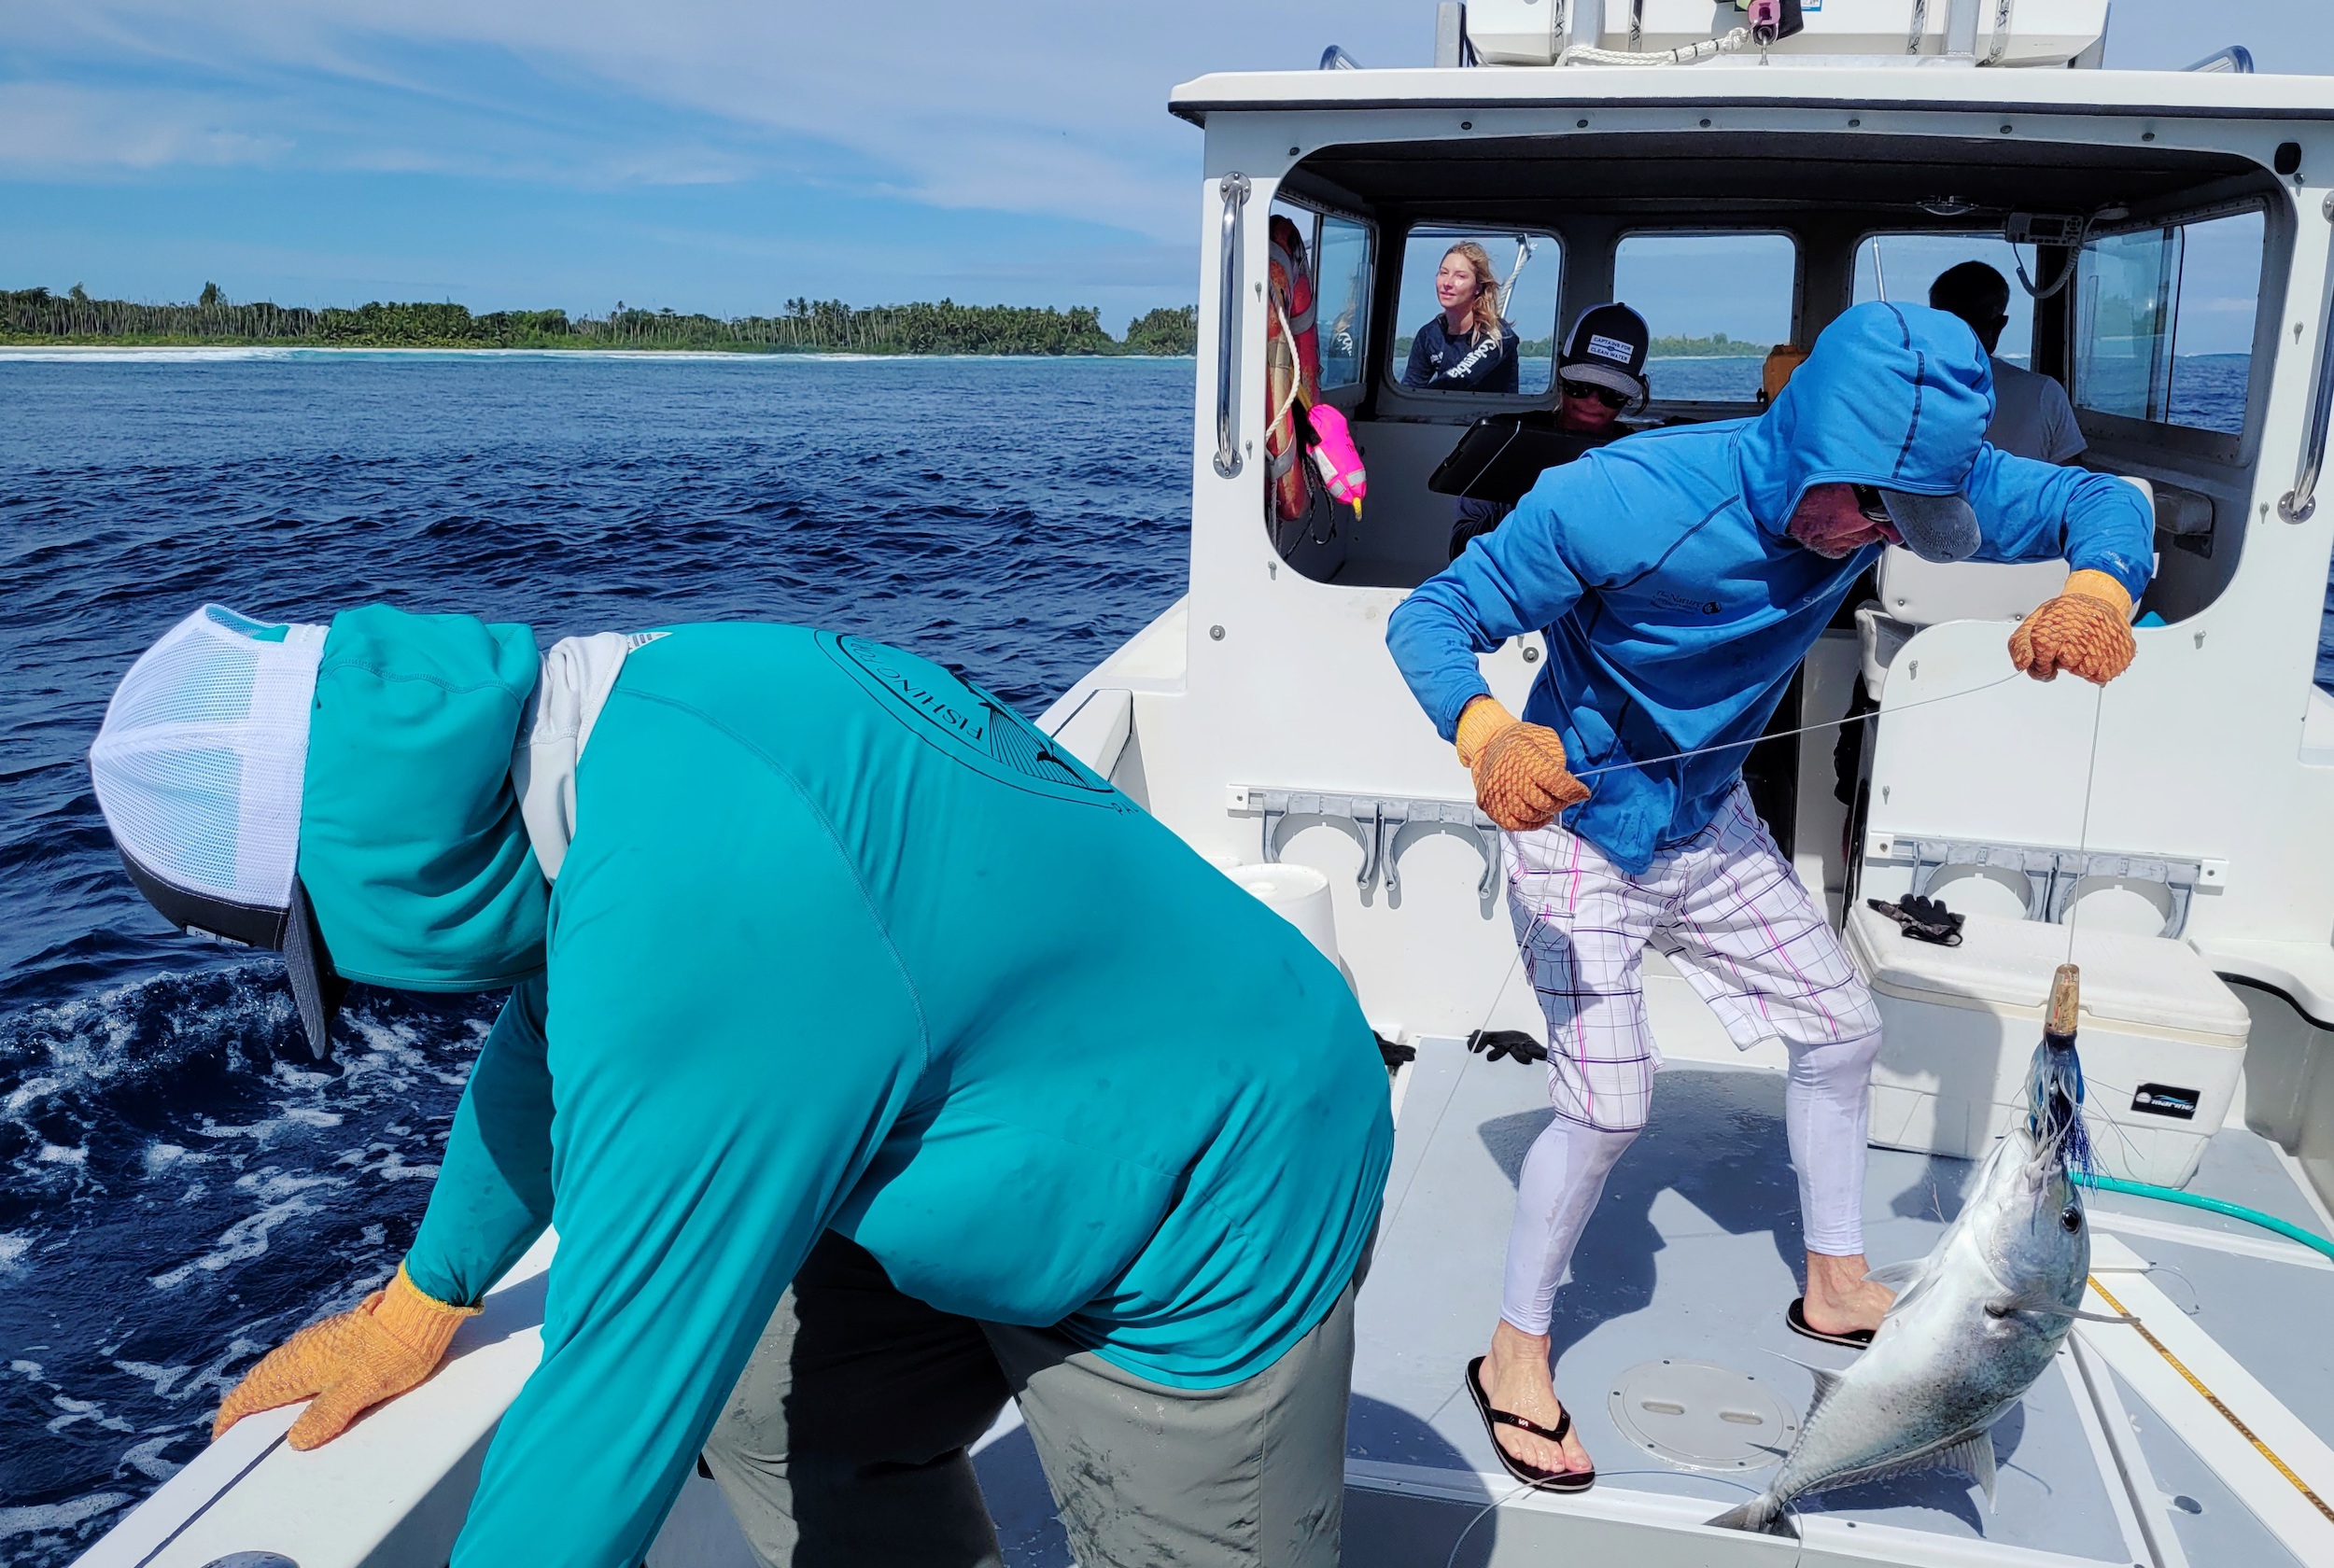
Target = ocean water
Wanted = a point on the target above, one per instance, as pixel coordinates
(180, 1188)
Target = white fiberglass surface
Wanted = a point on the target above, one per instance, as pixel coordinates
(1691, 1255)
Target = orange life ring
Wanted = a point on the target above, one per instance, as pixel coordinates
(1292, 369)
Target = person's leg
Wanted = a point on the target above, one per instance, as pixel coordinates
(1582, 924)
(844, 1443)
(1250, 1475)
(1827, 1112)
(1758, 949)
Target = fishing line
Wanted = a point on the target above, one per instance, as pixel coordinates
(1804, 729)
(2082, 834)
(1444, 1109)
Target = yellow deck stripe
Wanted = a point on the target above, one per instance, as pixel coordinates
(2214, 1400)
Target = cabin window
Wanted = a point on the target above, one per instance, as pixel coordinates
(2163, 322)
(1715, 304)
(1336, 261)
(1342, 274)
(1527, 266)
(1901, 267)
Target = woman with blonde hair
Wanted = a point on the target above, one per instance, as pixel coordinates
(1467, 347)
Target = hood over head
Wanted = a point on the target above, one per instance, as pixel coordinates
(1893, 396)
(412, 848)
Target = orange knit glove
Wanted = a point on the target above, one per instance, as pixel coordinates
(390, 1341)
(2087, 629)
(1521, 781)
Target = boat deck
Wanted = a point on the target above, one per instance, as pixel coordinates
(1692, 1256)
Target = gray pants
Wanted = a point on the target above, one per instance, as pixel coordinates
(844, 1443)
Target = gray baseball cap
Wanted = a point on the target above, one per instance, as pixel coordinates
(1939, 528)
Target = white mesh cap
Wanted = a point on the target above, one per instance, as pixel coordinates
(198, 765)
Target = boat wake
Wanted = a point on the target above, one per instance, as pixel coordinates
(182, 1190)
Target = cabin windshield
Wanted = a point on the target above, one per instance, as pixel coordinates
(2163, 339)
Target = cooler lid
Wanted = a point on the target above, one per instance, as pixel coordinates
(2149, 980)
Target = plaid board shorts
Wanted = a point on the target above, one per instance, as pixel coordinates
(1725, 906)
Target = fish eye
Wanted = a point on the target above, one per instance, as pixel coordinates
(2071, 1217)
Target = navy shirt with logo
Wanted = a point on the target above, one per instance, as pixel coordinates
(1444, 363)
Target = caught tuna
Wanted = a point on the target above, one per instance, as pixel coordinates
(1974, 1324)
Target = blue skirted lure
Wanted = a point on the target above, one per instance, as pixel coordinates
(2054, 1099)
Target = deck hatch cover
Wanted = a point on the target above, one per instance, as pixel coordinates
(1701, 1416)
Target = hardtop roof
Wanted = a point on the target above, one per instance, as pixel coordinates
(2170, 93)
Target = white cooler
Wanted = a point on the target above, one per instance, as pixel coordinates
(2162, 1040)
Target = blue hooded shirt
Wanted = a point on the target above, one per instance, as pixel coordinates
(1674, 606)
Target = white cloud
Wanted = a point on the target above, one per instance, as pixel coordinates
(52, 128)
(1047, 107)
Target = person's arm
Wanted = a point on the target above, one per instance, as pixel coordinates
(2032, 510)
(1502, 376)
(493, 1194)
(1420, 371)
(1512, 580)
(733, 1038)
(491, 1201)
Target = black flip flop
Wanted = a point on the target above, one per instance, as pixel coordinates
(1539, 1479)
(1796, 1321)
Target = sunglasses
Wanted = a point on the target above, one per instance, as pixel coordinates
(1604, 395)
(1868, 503)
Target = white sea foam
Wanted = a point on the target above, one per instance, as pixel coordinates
(160, 1376)
(56, 1518)
(147, 1459)
(14, 1244)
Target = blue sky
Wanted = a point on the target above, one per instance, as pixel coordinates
(702, 154)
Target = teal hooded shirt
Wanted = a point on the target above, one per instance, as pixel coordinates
(411, 846)
(840, 943)
(1675, 608)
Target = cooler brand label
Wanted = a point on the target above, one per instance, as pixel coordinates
(2162, 1099)
(1609, 348)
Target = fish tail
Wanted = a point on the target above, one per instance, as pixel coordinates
(1761, 1515)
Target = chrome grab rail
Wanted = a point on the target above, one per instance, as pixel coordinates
(2296, 504)
(2234, 60)
(1236, 193)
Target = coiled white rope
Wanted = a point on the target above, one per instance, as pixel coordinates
(1685, 55)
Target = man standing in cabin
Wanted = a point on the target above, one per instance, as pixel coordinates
(876, 1062)
(2032, 416)
(1680, 578)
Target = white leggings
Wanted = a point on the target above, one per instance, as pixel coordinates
(1731, 916)
(1825, 1111)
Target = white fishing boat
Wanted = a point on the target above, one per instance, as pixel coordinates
(2175, 831)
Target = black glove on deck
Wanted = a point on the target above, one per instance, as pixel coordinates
(1496, 1043)
(1923, 920)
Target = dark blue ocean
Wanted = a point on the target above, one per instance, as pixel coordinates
(179, 1188)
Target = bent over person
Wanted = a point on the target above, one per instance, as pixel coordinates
(876, 1062)
(1681, 576)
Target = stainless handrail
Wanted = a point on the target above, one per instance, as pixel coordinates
(1336, 59)
(1236, 193)
(2296, 504)
(2236, 59)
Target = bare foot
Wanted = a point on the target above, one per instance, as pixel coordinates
(1515, 1379)
(1839, 1298)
